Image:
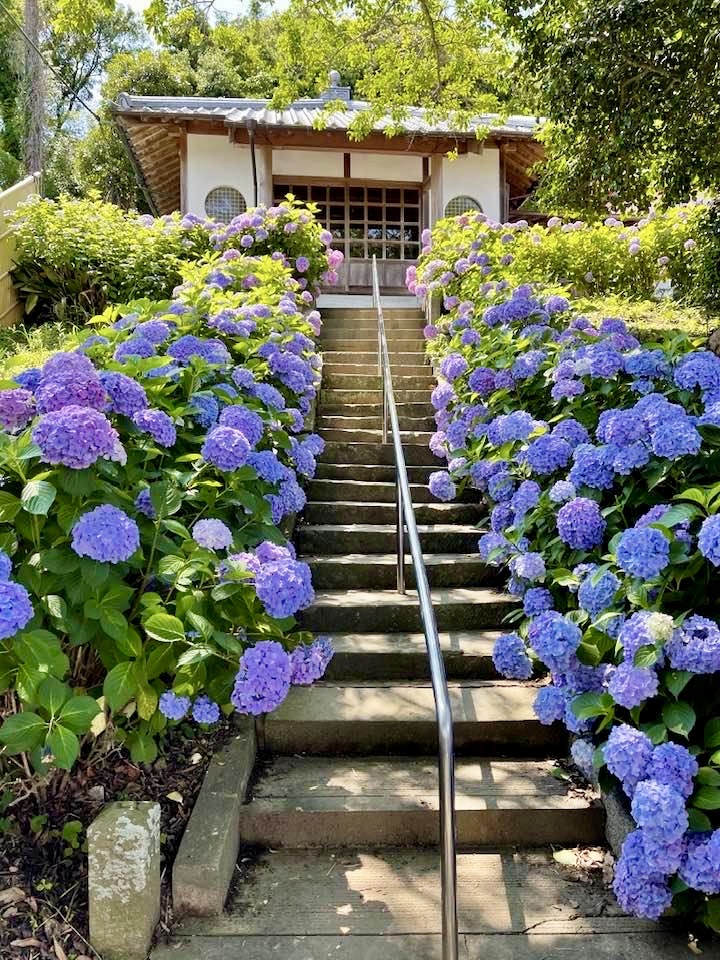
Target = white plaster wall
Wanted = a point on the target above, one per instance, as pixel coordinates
(212, 161)
(474, 175)
(385, 167)
(307, 163)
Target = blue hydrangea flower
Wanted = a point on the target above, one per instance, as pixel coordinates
(226, 448)
(571, 432)
(243, 378)
(172, 706)
(501, 486)
(549, 705)
(674, 438)
(709, 539)
(76, 437)
(593, 466)
(524, 499)
(17, 408)
(206, 410)
(189, 346)
(105, 534)
(28, 379)
(580, 524)
(453, 366)
(700, 369)
(547, 453)
(481, 381)
(643, 552)
(269, 395)
(640, 889)
(284, 587)
(494, 548)
(205, 710)
(630, 686)
(645, 629)
(308, 663)
(562, 491)
(267, 466)
(442, 395)
(673, 764)
(700, 868)
(554, 639)
(144, 505)
(441, 485)
(537, 600)
(596, 593)
(154, 331)
(247, 421)
(5, 567)
(695, 646)
(158, 425)
(263, 679)
(16, 609)
(628, 753)
(212, 534)
(528, 566)
(134, 348)
(510, 426)
(510, 657)
(659, 810)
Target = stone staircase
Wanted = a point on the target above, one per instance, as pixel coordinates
(343, 814)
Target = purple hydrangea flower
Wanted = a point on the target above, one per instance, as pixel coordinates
(640, 889)
(105, 534)
(5, 567)
(709, 539)
(226, 448)
(125, 395)
(75, 437)
(17, 408)
(134, 348)
(16, 610)
(454, 365)
(144, 504)
(700, 868)
(212, 534)
(309, 662)
(537, 600)
(630, 686)
(550, 704)
(628, 753)
(263, 680)
(673, 764)
(659, 811)
(695, 646)
(247, 421)
(189, 346)
(158, 425)
(554, 639)
(441, 485)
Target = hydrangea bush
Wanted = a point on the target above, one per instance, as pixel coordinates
(76, 256)
(147, 472)
(598, 459)
(465, 253)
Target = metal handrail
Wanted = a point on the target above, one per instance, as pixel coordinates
(443, 711)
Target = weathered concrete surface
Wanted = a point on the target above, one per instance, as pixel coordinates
(205, 862)
(379, 571)
(362, 719)
(659, 945)
(369, 537)
(370, 472)
(124, 879)
(347, 512)
(618, 821)
(306, 802)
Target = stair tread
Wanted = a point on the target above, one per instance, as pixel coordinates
(409, 783)
(390, 527)
(514, 896)
(439, 506)
(461, 642)
(480, 703)
(431, 559)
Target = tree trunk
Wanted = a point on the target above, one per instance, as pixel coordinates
(35, 89)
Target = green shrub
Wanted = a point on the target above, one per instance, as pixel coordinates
(101, 617)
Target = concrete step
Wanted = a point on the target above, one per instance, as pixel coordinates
(364, 491)
(371, 357)
(366, 512)
(321, 539)
(371, 370)
(405, 410)
(379, 571)
(361, 904)
(357, 435)
(371, 472)
(342, 397)
(416, 455)
(403, 656)
(373, 382)
(370, 313)
(365, 344)
(370, 325)
(350, 611)
(319, 802)
(413, 424)
(364, 719)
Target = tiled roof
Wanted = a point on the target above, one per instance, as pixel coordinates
(307, 114)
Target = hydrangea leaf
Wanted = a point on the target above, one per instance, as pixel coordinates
(22, 732)
(120, 685)
(37, 497)
(707, 798)
(679, 717)
(78, 713)
(164, 627)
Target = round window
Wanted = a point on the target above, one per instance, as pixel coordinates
(459, 205)
(224, 204)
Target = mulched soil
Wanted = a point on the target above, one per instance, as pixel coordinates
(43, 880)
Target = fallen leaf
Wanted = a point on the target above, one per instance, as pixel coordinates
(196, 758)
(59, 952)
(28, 942)
(11, 895)
(177, 797)
(568, 858)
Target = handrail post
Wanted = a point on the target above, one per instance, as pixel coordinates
(443, 708)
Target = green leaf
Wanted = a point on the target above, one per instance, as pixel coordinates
(60, 560)
(677, 680)
(679, 717)
(65, 746)
(52, 694)
(711, 735)
(589, 705)
(78, 713)
(679, 514)
(203, 626)
(37, 497)
(10, 506)
(120, 685)
(708, 777)
(694, 494)
(77, 483)
(646, 656)
(142, 747)
(130, 643)
(41, 649)
(195, 655)
(114, 624)
(656, 731)
(22, 732)
(707, 798)
(92, 609)
(146, 699)
(164, 627)
(697, 820)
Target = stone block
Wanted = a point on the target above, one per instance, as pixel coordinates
(618, 821)
(208, 853)
(124, 879)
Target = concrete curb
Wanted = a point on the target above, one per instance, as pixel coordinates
(205, 862)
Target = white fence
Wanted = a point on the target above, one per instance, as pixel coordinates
(10, 308)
